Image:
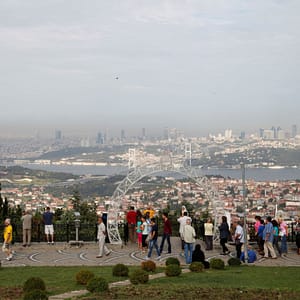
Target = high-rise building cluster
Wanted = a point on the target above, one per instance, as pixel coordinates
(277, 133)
(175, 134)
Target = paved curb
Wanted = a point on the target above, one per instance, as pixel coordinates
(126, 282)
(69, 295)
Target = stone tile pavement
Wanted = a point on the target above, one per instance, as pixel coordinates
(63, 254)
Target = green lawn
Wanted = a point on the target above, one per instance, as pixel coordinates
(243, 281)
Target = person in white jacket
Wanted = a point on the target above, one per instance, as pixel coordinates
(101, 235)
(189, 237)
(182, 221)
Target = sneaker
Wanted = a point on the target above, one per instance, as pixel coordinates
(158, 257)
(108, 253)
(48, 243)
(147, 258)
(98, 256)
(9, 258)
(52, 243)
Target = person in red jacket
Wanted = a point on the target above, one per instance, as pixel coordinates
(167, 233)
(131, 221)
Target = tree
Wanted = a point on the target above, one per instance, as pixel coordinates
(1, 205)
(189, 207)
(87, 210)
(239, 209)
(5, 209)
(76, 200)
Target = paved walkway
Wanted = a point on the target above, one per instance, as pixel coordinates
(62, 254)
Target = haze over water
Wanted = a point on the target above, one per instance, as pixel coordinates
(257, 174)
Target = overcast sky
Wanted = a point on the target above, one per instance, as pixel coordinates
(200, 66)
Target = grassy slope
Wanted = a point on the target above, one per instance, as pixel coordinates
(62, 279)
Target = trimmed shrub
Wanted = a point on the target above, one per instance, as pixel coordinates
(234, 261)
(83, 276)
(172, 261)
(148, 266)
(217, 263)
(120, 270)
(97, 285)
(173, 270)
(35, 295)
(196, 266)
(139, 276)
(34, 283)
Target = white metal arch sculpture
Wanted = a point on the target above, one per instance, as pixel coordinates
(136, 174)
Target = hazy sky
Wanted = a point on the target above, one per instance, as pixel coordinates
(201, 66)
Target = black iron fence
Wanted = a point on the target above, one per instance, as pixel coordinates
(64, 232)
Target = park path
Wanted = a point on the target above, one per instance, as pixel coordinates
(62, 254)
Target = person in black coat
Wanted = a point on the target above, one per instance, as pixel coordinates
(198, 255)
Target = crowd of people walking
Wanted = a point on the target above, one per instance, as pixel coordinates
(271, 235)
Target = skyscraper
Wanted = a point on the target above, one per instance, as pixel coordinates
(294, 130)
(143, 133)
(57, 135)
(123, 137)
(100, 139)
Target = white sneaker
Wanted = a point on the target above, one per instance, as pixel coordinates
(147, 258)
(9, 258)
(158, 257)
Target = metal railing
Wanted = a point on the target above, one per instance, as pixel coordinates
(64, 232)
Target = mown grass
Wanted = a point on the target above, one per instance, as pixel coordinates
(243, 281)
(58, 280)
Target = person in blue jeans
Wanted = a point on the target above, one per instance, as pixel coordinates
(283, 232)
(167, 233)
(153, 239)
(189, 237)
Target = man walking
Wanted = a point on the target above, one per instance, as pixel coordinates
(166, 234)
(239, 238)
(48, 221)
(153, 239)
(131, 221)
(26, 223)
(7, 235)
(268, 237)
(101, 235)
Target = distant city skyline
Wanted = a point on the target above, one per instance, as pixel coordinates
(199, 66)
(99, 135)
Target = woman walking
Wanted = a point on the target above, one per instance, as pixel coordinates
(208, 233)
(224, 234)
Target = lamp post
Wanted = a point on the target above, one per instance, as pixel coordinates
(245, 215)
(77, 224)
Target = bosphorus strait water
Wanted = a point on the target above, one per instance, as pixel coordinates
(257, 174)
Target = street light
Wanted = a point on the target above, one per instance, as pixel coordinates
(77, 224)
(245, 215)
